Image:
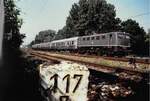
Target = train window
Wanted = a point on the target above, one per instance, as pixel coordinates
(88, 38)
(84, 39)
(93, 38)
(110, 35)
(120, 36)
(97, 37)
(103, 36)
(72, 42)
(67, 43)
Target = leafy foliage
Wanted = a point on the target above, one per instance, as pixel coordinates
(61, 34)
(90, 16)
(45, 36)
(147, 43)
(137, 34)
(12, 36)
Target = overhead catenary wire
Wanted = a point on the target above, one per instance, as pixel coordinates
(142, 14)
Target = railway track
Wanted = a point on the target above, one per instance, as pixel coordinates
(84, 60)
(120, 73)
(57, 60)
(124, 59)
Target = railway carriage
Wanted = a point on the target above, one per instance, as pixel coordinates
(65, 44)
(110, 43)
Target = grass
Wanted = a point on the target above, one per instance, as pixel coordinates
(105, 62)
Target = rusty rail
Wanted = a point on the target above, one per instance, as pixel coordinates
(93, 66)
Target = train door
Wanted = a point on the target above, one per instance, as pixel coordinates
(111, 40)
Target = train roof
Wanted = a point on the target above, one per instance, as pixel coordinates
(97, 34)
(67, 39)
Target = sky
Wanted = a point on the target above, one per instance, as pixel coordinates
(41, 15)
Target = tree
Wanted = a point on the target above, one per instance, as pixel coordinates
(82, 20)
(147, 43)
(90, 16)
(63, 33)
(71, 21)
(137, 34)
(102, 17)
(20, 74)
(12, 37)
(45, 36)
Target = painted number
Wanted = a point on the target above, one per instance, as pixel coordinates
(55, 77)
(77, 85)
(67, 82)
(67, 77)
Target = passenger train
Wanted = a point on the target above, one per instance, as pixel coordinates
(112, 43)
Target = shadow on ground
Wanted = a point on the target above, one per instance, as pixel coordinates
(19, 80)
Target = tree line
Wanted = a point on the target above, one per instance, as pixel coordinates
(97, 16)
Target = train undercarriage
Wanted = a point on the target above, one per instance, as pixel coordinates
(104, 51)
(99, 51)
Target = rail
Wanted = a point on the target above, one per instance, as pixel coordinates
(94, 63)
